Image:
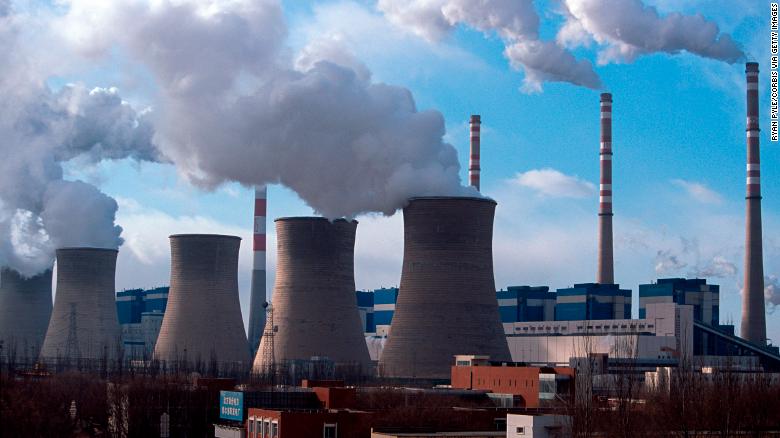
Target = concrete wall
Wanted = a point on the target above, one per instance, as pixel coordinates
(25, 309)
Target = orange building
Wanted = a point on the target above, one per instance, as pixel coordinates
(531, 384)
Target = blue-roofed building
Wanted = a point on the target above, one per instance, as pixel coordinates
(526, 303)
(365, 303)
(140, 314)
(592, 301)
(384, 308)
(705, 299)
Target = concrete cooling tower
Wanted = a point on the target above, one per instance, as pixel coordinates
(84, 323)
(203, 321)
(25, 309)
(315, 309)
(447, 300)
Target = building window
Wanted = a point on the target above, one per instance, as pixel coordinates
(274, 430)
(330, 431)
(520, 430)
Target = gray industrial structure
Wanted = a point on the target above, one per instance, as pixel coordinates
(25, 309)
(202, 322)
(315, 309)
(753, 312)
(84, 323)
(447, 299)
(606, 272)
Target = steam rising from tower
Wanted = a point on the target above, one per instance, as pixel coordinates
(447, 299)
(84, 323)
(605, 274)
(202, 321)
(314, 303)
(258, 298)
(25, 309)
(474, 155)
(753, 316)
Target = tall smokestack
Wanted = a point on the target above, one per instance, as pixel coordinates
(25, 309)
(315, 309)
(606, 273)
(84, 323)
(447, 300)
(753, 316)
(474, 154)
(203, 321)
(258, 298)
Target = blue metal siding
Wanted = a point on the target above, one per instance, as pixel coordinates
(383, 317)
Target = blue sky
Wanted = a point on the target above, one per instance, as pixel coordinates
(679, 160)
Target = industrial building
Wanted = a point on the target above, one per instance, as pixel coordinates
(202, 322)
(365, 303)
(25, 309)
(446, 302)
(592, 301)
(84, 324)
(523, 386)
(526, 303)
(695, 292)
(140, 314)
(314, 310)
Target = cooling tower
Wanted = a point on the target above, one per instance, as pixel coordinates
(606, 272)
(84, 323)
(202, 321)
(753, 311)
(447, 299)
(25, 309)
(257, 299)
(315, 309)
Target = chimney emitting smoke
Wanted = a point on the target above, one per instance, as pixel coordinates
(753, 316)
(474, 154)
(605, 274)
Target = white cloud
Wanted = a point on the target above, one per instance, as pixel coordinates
(699, 191)
(552, 183)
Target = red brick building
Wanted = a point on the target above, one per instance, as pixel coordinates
(325, 423)
(532, 384)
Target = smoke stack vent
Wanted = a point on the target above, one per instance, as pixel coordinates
(84, 323)
(258, 298)
(474, 154)
(25, 309)
(753, 316)
(202, 320)
(447, 299)
(315, 309)
(605, 274)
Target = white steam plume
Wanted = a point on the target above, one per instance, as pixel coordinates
(515, 21)
(629, 28)
(772, 292)
(39, 130)
(232, 107)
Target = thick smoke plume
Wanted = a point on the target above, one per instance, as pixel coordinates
(515, 21)
(39, 130)
(628, 29)
(231, 106)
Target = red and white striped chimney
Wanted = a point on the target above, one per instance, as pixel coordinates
(605, 274)
(753, 316)
(474, 155)
(258, 297)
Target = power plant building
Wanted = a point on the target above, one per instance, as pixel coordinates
(695, 292)
(384, 309)
(140, 315)
(84, 323)
(592, 301)
(447, 298)
(526, 303)
(202, 321)
(365, 303)
(315, 312)
(25, 309)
